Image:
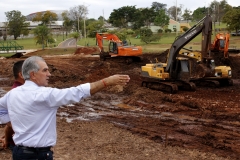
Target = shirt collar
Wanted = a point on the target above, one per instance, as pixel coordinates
(30, 83)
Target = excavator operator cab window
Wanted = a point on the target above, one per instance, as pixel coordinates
(212, 64)
(113, 47)
(184, 66)
(125, 43)
(222, 43)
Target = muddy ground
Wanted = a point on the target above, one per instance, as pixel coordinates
(133, 122)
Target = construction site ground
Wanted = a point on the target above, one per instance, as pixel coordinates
(133, 122)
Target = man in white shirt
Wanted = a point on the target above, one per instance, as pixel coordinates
(32, 108)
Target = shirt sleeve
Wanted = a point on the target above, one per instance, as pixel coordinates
(4, 117)
(58, 97)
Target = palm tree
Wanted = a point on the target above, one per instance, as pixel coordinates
(42, 35)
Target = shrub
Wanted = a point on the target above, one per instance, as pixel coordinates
(160, 31)
(168, 30)
(185, 29)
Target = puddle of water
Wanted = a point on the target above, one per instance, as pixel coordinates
(69, 120)
(1, 79)
(63, 114)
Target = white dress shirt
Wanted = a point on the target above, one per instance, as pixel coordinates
(32, 111)
(4, 117)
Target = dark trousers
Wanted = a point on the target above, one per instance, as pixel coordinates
(28, 153)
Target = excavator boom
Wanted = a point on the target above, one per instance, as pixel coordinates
(204, 26)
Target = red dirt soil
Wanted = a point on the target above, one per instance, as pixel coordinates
(133, 122)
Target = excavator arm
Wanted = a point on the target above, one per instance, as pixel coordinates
(106, 36)
(204, 26)
(99, 40)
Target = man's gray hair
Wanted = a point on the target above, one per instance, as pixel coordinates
(29, 65)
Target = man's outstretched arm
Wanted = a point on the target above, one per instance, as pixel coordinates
(109, 81)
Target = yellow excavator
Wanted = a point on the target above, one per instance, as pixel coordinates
(185, 69)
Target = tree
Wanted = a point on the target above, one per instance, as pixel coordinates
(101, 18)
(76, 36)
(156, 6)
(145, 16)
(46, 18)
(187, 15)
(161, 19)
(5, 25)
(94, 26)
(122, 16)
(222, 9)
(232, 19)
(42, 35)
(16, 23)
(148, 16)
(199, 13)
(214, 11)
(67, 22)
(172, 12)
(139, 22)
(78, 14)
(147, 35)
(25, 30)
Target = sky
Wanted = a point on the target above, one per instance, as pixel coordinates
(96, 8)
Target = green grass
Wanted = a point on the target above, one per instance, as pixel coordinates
(54, 51)
(30, 43)
(6, 54)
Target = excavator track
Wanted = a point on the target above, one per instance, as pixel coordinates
(207, 83)
(167, 86)
(161, 86)
(187, 86)
(213, 83)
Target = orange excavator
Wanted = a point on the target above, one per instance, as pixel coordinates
(117, 48)
(221, 44)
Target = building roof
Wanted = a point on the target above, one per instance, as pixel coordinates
(58, 12)
(171, 21)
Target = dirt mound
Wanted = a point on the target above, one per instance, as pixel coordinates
(87, 50)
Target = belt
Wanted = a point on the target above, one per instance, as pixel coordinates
(35, 149)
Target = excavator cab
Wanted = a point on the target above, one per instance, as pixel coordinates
(180, 69)
(220, 45)
(113, 47)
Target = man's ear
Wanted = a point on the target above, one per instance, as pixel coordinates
(32, 75)
(20, 75)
